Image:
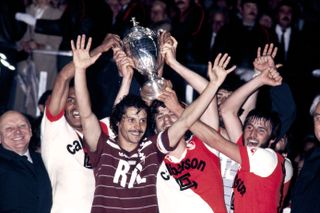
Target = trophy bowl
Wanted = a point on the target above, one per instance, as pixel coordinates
(142, 46)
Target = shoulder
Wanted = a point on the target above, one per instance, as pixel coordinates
(262, 161)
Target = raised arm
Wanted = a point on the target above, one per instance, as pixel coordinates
(61, 86)
(82, 60)
(125, 68)
(199, 83)
(217, 74)
(267, 76)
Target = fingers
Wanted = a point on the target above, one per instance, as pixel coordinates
(265, 49)
(270, 49)
(259, 52)
(274, 52)
(88, 44)
(72, 46)
(222, 61)
(231, 69)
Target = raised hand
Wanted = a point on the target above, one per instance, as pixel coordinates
(169, 49)
(271, 77)
(170, 100)
(265, 60)
(81, 58)
(124, 63)
(110, 41)
(218, 72)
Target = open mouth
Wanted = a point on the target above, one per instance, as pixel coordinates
(252, 143)
(76, 114)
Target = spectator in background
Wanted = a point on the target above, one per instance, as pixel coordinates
(24, 185)
(241, 39)
(129, 9)
(93, 18)
(266, 19)
(11, 31)
(159, 16)
(27, 91)
(115, 7)
(305, 192)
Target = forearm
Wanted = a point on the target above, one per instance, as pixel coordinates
(195, 80)
(191, 114)
(213, 139)
(61, 89)
(90, 124)
(124, 89)
(234, 102)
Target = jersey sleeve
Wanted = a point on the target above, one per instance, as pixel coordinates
(95, 156)
(162, 141)
(261, 162)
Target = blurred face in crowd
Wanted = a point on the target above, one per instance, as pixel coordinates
(124, 2)
(218, 20)
(257, 132)
(114, 5)
(132, 128)
(316, 122)
(15, 132)
(72, 111)
(249, 12)
(182, 5)
(158, 12)
(265, 21)
(164, 119)
(285, 14)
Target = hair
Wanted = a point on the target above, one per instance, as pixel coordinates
(314, 105)
(120, 109)
(154, 109)
(269, 116)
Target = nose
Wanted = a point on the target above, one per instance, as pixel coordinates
(253, 133)
(167, 119)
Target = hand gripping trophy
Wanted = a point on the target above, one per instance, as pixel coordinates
(142, 45)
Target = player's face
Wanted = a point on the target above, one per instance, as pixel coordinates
(71, 110)
(132, 127)
(316, 122)
(15, 132)
(164, 119)
(257, 133)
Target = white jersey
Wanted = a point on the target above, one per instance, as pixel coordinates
(67, 164)
(229, 169)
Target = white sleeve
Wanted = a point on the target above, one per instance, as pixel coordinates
(289, 170)
(262, 161)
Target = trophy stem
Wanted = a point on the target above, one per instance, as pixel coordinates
(153, 88)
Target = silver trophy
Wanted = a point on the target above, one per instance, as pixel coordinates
(141, 44)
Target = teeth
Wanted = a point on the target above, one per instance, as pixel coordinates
(76, 114)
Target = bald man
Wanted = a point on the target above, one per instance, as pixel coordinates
(24, 182)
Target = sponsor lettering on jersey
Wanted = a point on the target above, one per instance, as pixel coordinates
(184, 181)
(123, 173)
(239, 185)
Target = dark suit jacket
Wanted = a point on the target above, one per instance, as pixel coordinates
(24, 186)
(305, 196)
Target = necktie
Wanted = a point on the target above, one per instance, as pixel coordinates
(282, 46)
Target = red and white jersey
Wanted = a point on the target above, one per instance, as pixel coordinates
(67, 164)
(258, 183)
(191, 183)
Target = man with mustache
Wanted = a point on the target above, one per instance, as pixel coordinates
(126, 167)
